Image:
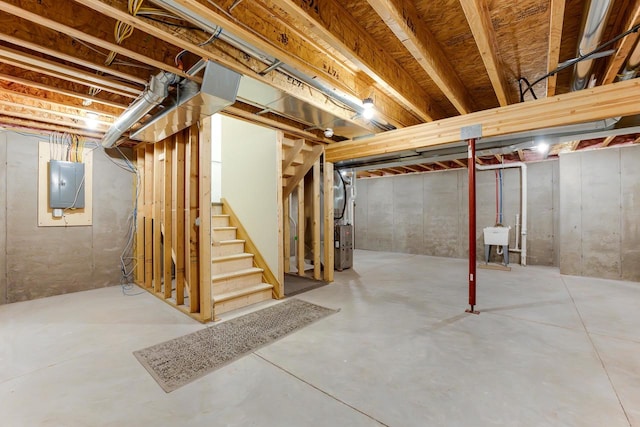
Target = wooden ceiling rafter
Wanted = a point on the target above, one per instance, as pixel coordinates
(556, 21)
(230, 57)
(348, 37)
(479, 19)
(402, 18)
(625, 47)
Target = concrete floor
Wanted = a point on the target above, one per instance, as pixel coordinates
(547, 350)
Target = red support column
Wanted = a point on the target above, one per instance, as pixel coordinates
(471, 166)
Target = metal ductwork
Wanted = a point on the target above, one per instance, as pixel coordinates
(593, 26)
(193, 102)
(633, 64)
(152, 96)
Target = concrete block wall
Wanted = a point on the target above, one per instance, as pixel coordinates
(427, 213)
(44, 261)
(600, 213)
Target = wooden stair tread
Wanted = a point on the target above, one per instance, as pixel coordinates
(224, 228)
(220, 215)
(237, 273)
(242, 292)
(228, 242)
(231, 257)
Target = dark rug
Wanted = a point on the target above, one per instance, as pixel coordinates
(182, 360)
(294, 284)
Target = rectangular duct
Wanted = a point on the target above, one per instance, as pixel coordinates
(218, 90)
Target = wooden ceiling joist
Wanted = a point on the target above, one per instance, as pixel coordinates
(11, 109)
(12, 87)
(274, 38)
(36, 16)
(14, 75)
(479, 19)
(460, 163)
(442, 165)
(401, 17)
(65, 72)
(18, 123)
(348, 37)
(58, 47)
(608, 140)
(625, 47)
(613, 100)
(556, 21)
(236, 60)
(38, 103)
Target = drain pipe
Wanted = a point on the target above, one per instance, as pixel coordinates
(523, 206)
(593, 28)
(152, 96)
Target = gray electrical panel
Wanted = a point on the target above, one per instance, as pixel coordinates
(66, 184)
(343, 251)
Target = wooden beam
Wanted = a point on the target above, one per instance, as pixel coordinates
(278, 288)
(44, 127)
(401, 16)
(521, 155)
(242, 63)
(442, 165)
(204, 203)
(65, 49)
(286, 234)
(13, 75)
(36, 103)
(479, 19)
(67, 102)
(64, 72)
(149, 214)
(574, 144)
(328, 221)
(19, 111)
(398, 170)
(157, 215)
(425, 167)
(292, 153)
(460, 163)
(179, 192)
(166, 216)
(317, 274)
(138, 195)
(608, 140)
(37, 17)
(414, 168)
(601, 102)
(348, 37)
(281, 41)
(556, 21)
(498, 157)
(479, 161)
(625, 45)
(301, 171)
(300, 237)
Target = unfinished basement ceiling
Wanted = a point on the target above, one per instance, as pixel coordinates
(308, 64)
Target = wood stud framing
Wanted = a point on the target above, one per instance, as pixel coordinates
(174, 186)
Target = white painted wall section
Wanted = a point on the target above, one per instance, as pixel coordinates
(249, 182)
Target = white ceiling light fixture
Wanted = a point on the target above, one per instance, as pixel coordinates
(542, 148)
(91, 120)
(328, 132)
(368, 111)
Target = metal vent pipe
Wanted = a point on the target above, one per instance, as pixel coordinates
(593, 26)
(152, 96)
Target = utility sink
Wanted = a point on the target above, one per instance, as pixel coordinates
(496, 236)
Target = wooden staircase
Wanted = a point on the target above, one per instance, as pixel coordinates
(298, 157)
(236, 281)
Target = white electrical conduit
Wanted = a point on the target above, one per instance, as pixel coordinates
(523, 207)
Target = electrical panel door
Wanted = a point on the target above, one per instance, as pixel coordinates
(66, 184)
